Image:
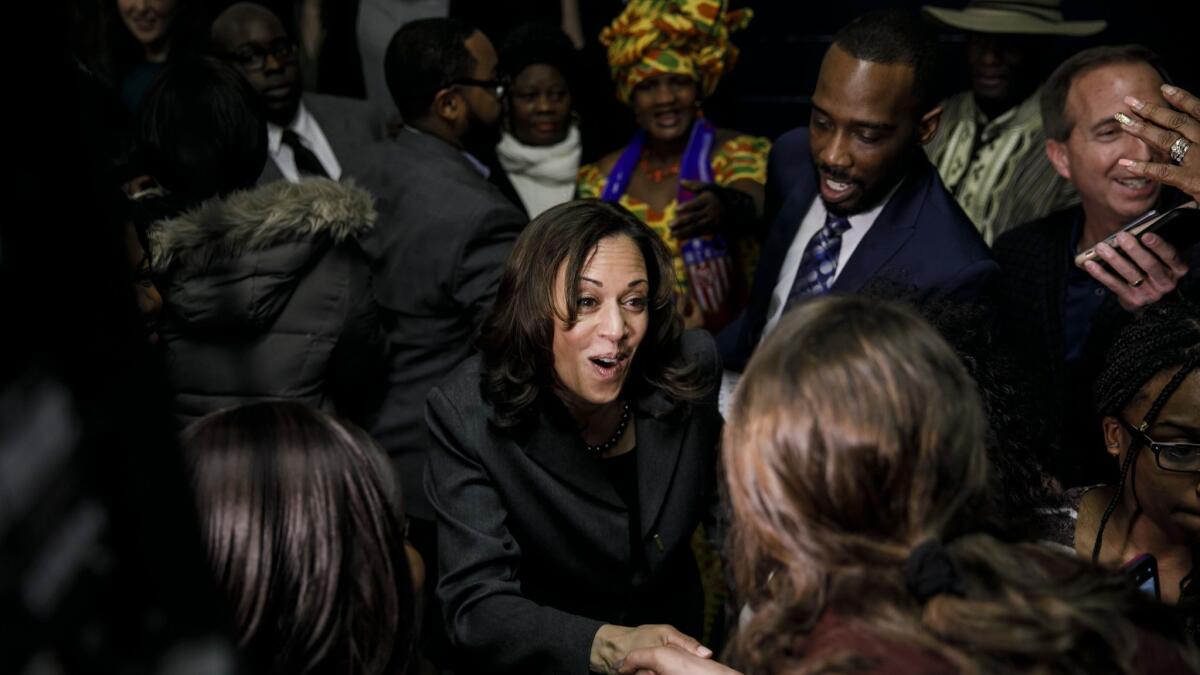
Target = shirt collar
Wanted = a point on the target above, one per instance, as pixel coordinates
(1028, 113)
(864, 220)
(475, 163)
(479, 166)
(302, 123)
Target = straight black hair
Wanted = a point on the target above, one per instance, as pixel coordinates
(424, 57)
(203, 130)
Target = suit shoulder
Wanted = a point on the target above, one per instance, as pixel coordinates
(942, 217)
(790, 142)
(314, 100)
(1037, 233)
(700, 346)
(462, 386)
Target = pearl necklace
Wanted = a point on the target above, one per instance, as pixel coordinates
(597, 450)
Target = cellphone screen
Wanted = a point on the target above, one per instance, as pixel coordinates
(1150, 586)
(1144, 570)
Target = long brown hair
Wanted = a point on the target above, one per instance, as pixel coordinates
(855, 436)
(518, 334)
(304, 535)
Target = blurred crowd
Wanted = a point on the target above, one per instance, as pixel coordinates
(433, 336)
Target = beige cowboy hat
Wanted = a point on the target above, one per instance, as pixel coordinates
(1026, 17)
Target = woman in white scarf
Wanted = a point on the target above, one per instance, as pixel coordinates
(540, 150)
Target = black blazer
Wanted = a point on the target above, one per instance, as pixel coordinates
(921, 238)
(1031, 288)
(534, 547)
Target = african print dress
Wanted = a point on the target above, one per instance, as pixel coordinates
(739, 158)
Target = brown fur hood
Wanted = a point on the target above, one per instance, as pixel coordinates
(233, 264)
(260, 218)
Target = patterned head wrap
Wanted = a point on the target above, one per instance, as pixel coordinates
(690, 37)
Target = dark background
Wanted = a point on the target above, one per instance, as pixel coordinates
(768, 93)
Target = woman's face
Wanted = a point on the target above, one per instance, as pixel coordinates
(665, 106)
(1169, 499)
(540, 109)
(147, 20)
(592, 358)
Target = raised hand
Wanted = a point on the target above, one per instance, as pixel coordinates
(1172, 130)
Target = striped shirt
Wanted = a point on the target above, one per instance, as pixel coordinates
(997, 170)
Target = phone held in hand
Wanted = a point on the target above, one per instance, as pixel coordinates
(1144, 571)
(1179, 227)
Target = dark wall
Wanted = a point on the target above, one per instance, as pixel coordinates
(768, 93)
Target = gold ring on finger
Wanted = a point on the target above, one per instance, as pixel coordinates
(1137, 282)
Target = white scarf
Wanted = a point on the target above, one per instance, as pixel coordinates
(543, 176)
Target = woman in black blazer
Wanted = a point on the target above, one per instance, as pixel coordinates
(575, 456)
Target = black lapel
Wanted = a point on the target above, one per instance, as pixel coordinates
(892, 229)
(270, 172)
(783, 231)
(661, 430)
(555, 444)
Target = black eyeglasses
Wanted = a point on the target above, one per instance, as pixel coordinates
(1174, 457)
(253, 58)
(495, 86)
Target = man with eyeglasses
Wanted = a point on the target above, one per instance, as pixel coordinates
(442, 234)
(308, 134)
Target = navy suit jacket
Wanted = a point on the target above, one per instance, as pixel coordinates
(921, 239)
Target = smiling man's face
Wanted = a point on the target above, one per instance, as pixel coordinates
(865, 130)
(1088, 157)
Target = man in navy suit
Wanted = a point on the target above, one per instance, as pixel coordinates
(852, 197)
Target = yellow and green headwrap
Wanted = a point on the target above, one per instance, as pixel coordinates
(672, 36)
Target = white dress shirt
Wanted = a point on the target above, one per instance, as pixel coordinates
(814, 220)
(311, 136)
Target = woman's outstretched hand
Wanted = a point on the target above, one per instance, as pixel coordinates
(670, 660)
(613, 644)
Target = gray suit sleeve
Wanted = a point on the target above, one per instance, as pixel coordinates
(485, 614)
(482, 259)
(359, 360)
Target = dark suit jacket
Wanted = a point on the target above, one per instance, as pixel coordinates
(348, 124)
(534, 541)
(1030, 299)
(436, 252)
(922, 238)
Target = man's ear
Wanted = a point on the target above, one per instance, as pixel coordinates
(1115, 437)
(1056, 152)
(448, 104)
(928, 124)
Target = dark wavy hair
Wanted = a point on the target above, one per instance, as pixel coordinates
(517, 336)
(302, 519)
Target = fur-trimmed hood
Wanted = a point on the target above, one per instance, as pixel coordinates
(234, 261)
(255, 219)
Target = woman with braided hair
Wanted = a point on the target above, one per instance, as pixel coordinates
(1148, 394)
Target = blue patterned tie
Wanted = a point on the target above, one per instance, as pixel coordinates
(820, 259)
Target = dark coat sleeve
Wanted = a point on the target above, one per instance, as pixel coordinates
(358, 363)
(477, 275)
(486, 617)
